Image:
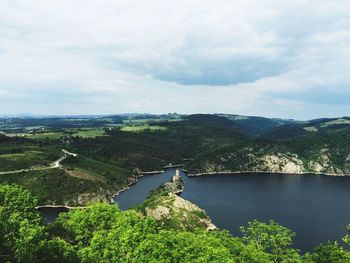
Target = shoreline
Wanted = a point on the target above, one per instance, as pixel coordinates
(59, 206)
(141, 174)
(173, 166)
(264, 172)
(136, 179)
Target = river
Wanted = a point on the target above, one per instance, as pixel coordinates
(315, 207)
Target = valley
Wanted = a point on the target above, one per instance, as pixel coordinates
(113, 151)
(239, 169)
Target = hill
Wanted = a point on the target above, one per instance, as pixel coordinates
(112, 155)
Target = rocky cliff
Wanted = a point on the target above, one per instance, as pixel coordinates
(248, 160)
(173, 211)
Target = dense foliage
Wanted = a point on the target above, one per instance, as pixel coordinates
(103, 233)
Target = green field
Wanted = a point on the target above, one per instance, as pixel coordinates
(52, 135)
(45, 135)
(14, 157)
(141, 128)
(89, 133)
(311, 129)
(335, 122)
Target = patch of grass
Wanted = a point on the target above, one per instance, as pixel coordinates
(99, 169)
(141, 128)
(16, 157)
(335, 122)
(84, 174)
(310, 129)
(45, 135)
(89, 133)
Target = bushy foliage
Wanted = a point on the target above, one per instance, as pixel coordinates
(23, 237)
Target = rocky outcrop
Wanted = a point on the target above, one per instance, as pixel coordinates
(249, 161)
(176, 184)
(88, 198)
(173, 211)
(282, 163)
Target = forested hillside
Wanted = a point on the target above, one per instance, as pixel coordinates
(309, 147)
(112, 151)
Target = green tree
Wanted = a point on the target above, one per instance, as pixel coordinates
(328, 253)
(346, 239)
(19, 223)
(240, 251)
(56, 250)
(23, 237)
(271, 238)
(182, 246)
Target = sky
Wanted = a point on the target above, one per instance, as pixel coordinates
(288, 59)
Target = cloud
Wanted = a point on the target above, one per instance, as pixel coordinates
(288, 59)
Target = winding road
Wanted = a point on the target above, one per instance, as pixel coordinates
(53, 165)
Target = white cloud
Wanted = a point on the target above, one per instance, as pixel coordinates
(249, 57)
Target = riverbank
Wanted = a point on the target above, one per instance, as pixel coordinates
(262, 172)
(171, 210)
(59, 206)
(134, 180)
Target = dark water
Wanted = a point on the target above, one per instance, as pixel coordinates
(138, 192)
(316, 207)
(51, 213)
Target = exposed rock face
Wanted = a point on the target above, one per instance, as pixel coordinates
(159, 212)
(316, 166)
(324, 164)
(283, 163)
(88, 198)
(174, 210)
(247, 160)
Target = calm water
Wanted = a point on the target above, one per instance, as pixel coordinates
(317, 208)
(139, 191)
(51, 213)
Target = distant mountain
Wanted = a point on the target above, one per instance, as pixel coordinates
(257, 125)
(216, 122)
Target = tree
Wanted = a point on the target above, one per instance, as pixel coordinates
(19, 223)
(182, 246)
(241, 252)
(346, 239)
(23, 237)
(56, 250)
(271, 238)
(328, 253)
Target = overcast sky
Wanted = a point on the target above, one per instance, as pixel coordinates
(278, 58)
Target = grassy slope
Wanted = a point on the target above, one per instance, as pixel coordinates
(20, 153)
(55, 186)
